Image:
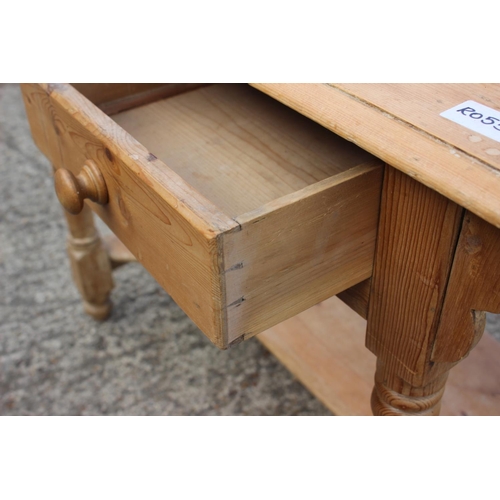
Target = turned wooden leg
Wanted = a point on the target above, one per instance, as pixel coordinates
(394, 396)
(417, 235)
(90, 264)
(436, 271)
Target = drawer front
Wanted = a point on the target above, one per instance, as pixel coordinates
(233, 276)
(170, 229)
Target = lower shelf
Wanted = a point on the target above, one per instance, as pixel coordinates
(324, 348)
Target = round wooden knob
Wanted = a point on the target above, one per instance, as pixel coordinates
(72, 191)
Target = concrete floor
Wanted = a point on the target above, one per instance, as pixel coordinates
(147, 359)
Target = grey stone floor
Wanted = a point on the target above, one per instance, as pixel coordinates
(147, 359)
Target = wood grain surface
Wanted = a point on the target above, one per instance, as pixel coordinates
(301, 249)
(238, 147)
(297, 207)
(357, 297)
(116, 97)
(170, 228)
(90, 265)
(420, 106)
(429, 148)
(324, 348)
(417, 235)
(474, 287)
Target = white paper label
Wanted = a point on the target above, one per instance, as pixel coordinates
(476, 117)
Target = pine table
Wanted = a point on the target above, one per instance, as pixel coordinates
(254, 204)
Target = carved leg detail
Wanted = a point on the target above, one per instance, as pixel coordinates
(90, 264)
(394, 396)
(417, 236)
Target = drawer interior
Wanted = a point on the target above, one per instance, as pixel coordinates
(245, 211)
(238, 147)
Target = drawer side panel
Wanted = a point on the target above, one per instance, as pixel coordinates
(301, 249)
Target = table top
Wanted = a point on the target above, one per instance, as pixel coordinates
(402, 125)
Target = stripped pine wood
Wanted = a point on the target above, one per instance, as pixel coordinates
(475, 282)
(420, 106)
(116, 97)
(301, 249)
(442, 166)
(238, 147)
(151, 209)
(417, 234)
(357, 297)
(102, 93)
(90, 265)
(324, 348)
(56, 104)
(118, 253)
(248, 213)
(319, 193)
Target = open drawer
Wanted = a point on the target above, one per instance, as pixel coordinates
(245, 211)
